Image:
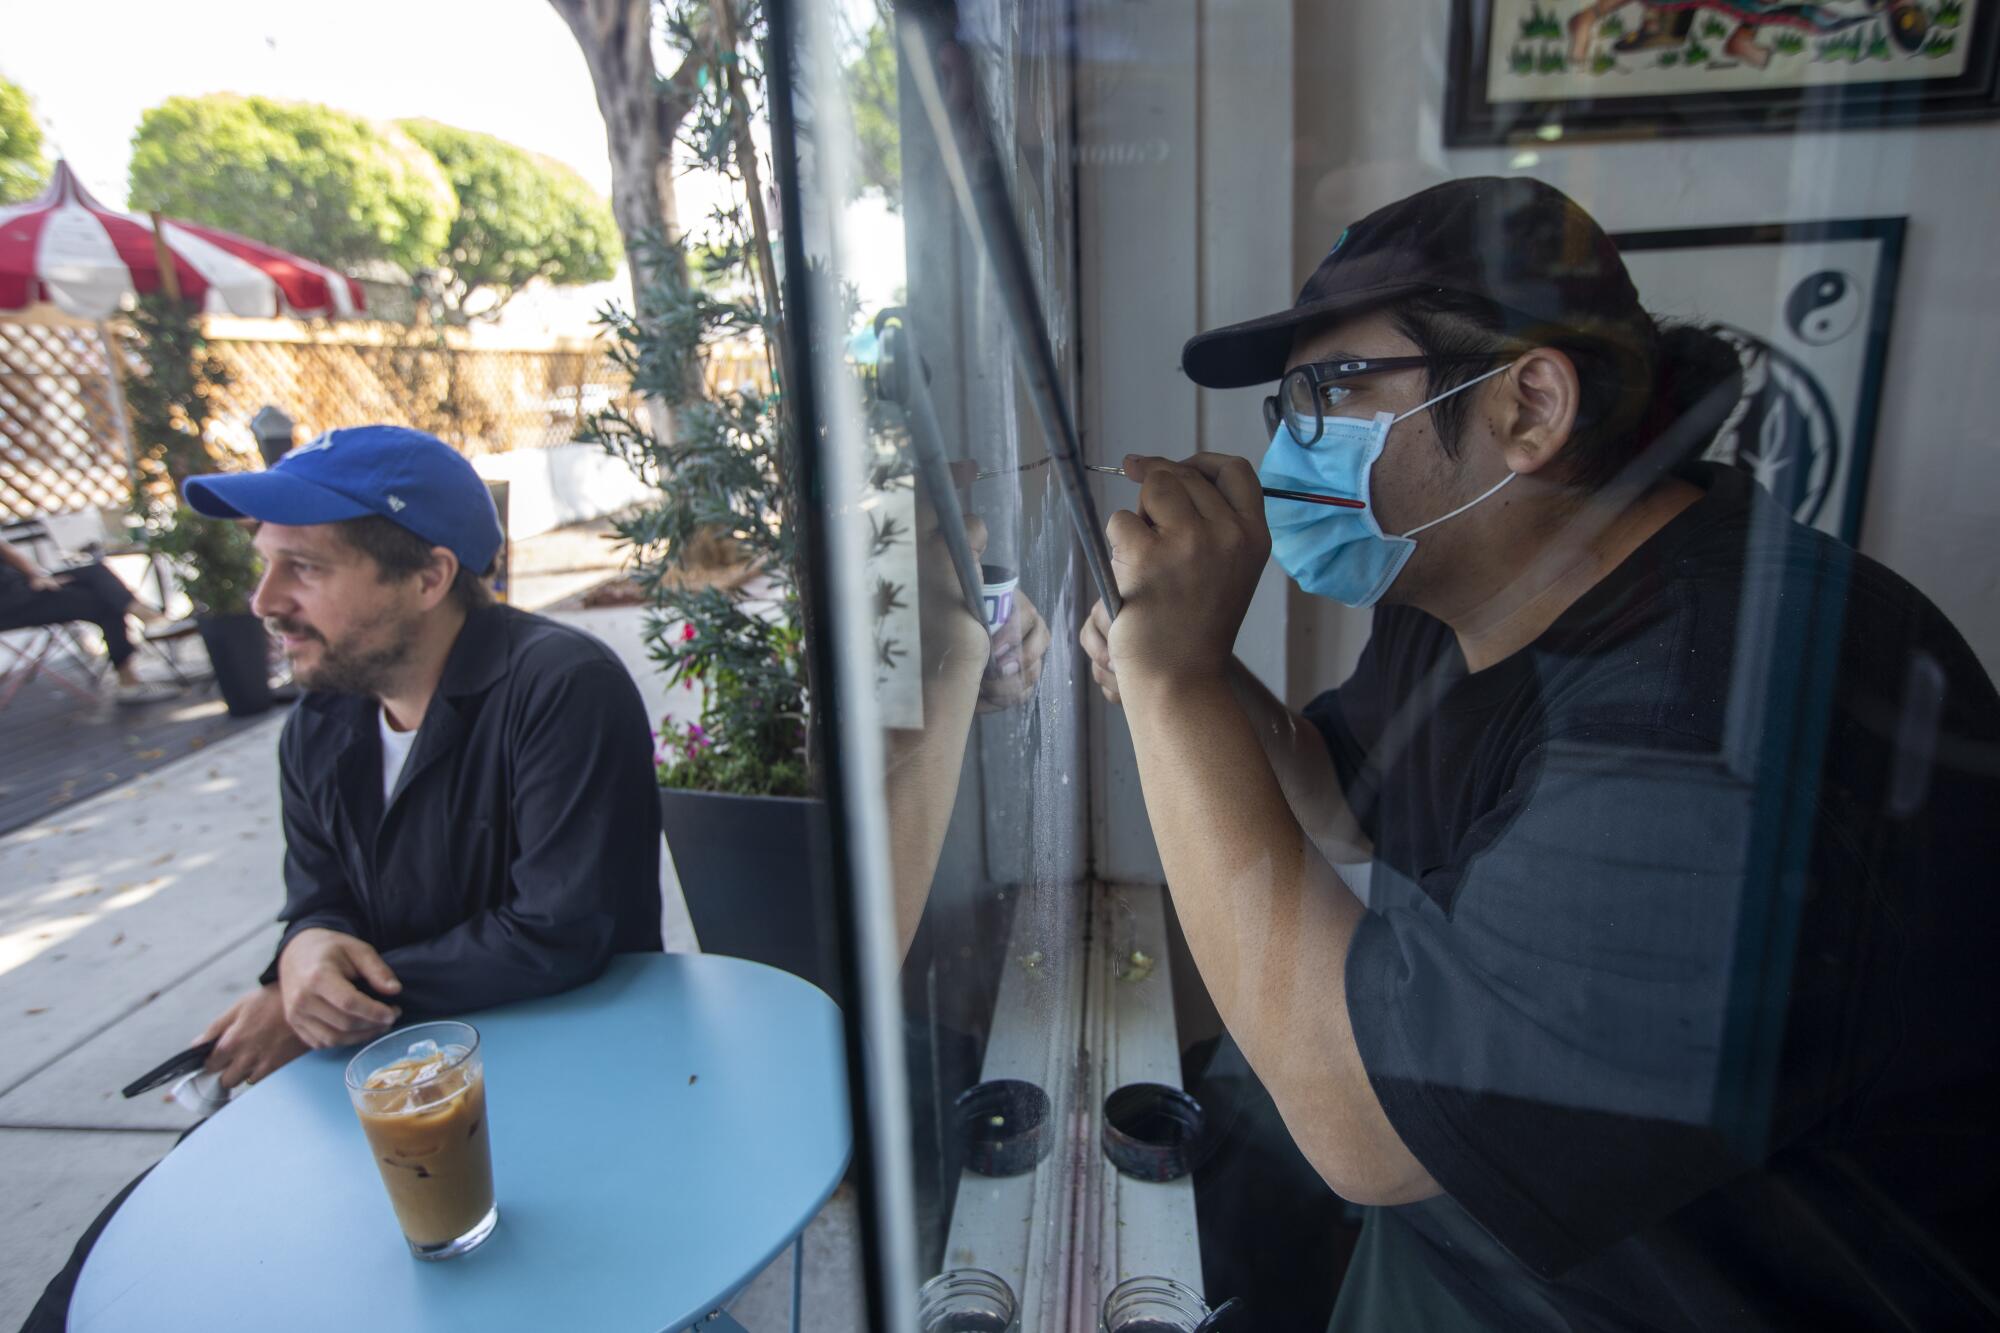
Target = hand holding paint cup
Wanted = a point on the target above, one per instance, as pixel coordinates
(996, 595)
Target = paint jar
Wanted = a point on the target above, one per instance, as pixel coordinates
(966, 1300)
(1152, 1305)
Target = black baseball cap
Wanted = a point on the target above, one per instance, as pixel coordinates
(1520, 243)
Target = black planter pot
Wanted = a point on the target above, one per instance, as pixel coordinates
(756, 873)
(240, 652)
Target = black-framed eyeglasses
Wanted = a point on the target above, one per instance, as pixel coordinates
(1307, 391)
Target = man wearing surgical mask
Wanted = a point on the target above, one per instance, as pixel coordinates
(1667, 1007)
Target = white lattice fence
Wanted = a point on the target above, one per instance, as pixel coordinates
(62, 446)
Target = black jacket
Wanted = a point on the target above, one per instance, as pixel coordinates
(521, 846)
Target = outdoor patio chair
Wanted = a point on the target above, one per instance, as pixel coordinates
(27, 653)
(62, 541)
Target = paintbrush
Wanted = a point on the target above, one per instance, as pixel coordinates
(1275, 492)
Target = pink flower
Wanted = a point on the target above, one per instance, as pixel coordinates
(687, 633)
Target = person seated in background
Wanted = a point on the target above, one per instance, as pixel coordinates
(31, 596)
(468, 798)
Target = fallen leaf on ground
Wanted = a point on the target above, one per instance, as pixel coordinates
(118, 939)
(39, 1009)
(150, 754)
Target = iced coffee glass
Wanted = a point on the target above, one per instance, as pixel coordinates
(421, 1096)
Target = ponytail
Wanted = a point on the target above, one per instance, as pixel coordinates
(1644, 384)
(1697, 380)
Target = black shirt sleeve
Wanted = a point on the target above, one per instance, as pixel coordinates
(1547, 1042)
(586, 815)
(317, 890)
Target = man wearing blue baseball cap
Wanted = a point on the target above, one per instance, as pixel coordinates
(468, 789)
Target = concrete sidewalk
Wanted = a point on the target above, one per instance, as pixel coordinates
(129, 921)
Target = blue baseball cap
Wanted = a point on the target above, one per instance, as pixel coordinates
(414, 480)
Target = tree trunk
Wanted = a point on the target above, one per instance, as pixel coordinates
(642, 114)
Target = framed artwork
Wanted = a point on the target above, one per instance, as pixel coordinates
(1807, 306)
(1562, 69)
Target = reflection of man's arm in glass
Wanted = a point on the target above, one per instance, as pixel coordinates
(964, 670)
(1294, 747)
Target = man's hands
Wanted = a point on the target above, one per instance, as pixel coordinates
(252, 1038)
(1187, 564)
(1096, 639)
(313, 1004)
(317, 972)
(955, 641)
(1016, 665)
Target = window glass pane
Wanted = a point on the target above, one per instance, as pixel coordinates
(1528, 871)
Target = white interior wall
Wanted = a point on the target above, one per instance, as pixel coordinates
(1185, 221)
(1368, 102)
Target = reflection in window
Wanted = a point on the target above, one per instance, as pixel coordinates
(1546, 891)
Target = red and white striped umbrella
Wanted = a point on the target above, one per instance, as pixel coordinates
(67, 248)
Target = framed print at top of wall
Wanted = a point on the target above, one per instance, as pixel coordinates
(1562, 69)
(1807, 306)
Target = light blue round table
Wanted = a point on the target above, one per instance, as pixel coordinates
(659, 1136)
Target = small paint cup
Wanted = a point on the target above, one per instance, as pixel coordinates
(1152, 1132)
(1003, 1127)
(996, 595)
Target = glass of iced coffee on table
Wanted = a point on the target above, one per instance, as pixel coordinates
(421, 1096)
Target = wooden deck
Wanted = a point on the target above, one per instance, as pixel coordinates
(55, 749)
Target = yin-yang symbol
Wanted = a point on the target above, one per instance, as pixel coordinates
(1782, 431)
(1824, 307)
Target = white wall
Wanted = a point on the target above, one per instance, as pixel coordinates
(1368, 102)
(560, 485)
(1185, 221)
(1223, 144)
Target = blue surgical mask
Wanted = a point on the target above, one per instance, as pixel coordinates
(1342, 553)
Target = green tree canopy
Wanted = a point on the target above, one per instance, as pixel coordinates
(520, 216)
(324, 184)
(871, 94)
(23, 169)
